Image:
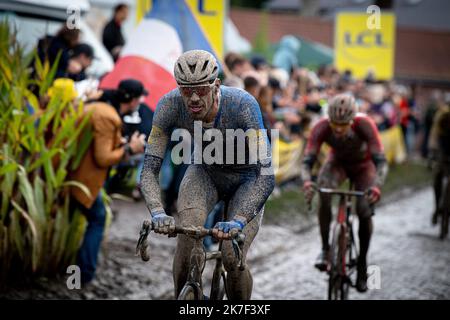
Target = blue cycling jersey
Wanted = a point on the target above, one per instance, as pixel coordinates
(238, 111)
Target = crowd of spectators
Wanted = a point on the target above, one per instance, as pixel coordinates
(293, 101)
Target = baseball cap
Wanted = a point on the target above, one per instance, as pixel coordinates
(132, 88)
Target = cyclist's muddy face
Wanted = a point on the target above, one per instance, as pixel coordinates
(198, 99)
(340, 130)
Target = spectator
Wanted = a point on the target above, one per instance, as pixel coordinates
(112, 33)
(259, 63)
(83, 55)
(49, 47)
(262, 68)
(265, 103)
(135, 122)
(382, 110)
(107, 148)
(286, 55)
(434, 103)
(252, 86)
(238, 65)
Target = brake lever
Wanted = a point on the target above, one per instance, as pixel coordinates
(238, 243)
(142, 244)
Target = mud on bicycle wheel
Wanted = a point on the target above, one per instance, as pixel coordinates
(190, 292)
(338, 288)
(338, 285)
(218, 286)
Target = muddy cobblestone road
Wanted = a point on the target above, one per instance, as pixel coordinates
(413, 262)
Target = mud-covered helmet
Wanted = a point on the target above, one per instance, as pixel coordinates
(195, 67)
(342, 108)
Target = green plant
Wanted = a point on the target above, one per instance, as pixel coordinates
(39, 145)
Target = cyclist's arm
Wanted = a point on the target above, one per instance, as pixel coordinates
(154, 155)
(256, 190)
(316, 138)
(369, 131)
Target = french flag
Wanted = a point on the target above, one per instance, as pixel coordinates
(152, 49)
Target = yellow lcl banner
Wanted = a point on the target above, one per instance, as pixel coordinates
(362, 49)
(210, 16)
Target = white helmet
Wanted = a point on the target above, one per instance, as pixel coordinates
(196, 66)
(342, 108)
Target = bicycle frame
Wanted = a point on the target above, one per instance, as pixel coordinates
(197, 259)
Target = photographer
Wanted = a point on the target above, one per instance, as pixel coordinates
(108, 148)
(138, 123)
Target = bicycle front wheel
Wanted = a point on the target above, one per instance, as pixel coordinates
(190, 292)
(338, 285)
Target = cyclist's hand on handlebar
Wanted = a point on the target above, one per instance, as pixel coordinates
(373, 194)
(223, 230)
(309, 188)
(162, 223)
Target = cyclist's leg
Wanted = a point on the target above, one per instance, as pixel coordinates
(364, 177)
(330, 176)
(239, 283)
(197, 197)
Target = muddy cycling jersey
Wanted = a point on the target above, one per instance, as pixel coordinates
(237, 110)
(361, 144)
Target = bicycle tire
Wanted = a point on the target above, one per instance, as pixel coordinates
(334, 284)
(445, 213)
(338, 286)
(218, 286)
(334, 279)
(189, 292)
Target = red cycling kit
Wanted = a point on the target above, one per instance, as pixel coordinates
(358, 155)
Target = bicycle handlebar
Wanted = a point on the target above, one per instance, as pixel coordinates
(342, 192)
(198, 232)
(337, 192)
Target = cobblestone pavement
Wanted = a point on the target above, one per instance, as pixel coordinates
(413, 262)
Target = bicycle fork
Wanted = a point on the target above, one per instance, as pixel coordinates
(197, 263)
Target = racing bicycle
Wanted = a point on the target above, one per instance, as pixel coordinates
(344, 252)
(193, 288)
